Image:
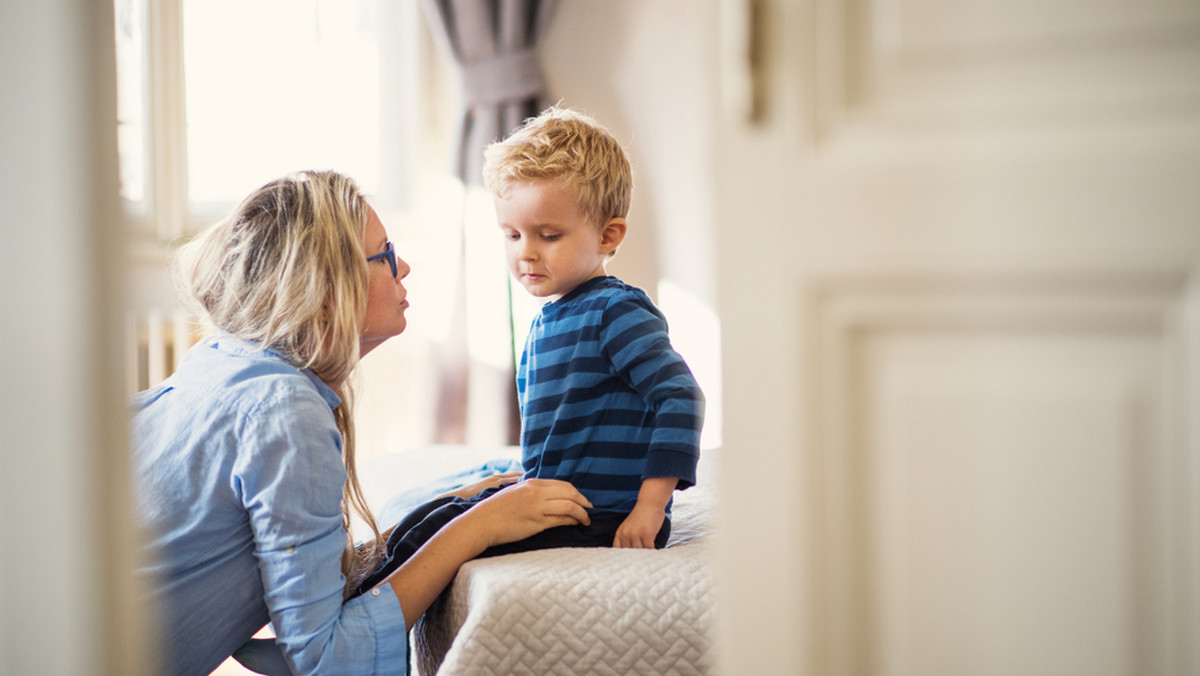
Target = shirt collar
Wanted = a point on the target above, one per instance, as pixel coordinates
(232, 345)
(582, 289)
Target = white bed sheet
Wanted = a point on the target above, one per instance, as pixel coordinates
(572, 611)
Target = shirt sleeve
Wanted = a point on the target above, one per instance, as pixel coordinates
(634, 339)
(290, 483)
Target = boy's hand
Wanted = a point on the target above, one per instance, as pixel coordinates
(639, 529)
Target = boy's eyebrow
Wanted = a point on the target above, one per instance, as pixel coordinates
(535, 226)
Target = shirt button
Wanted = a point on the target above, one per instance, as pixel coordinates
(374, 592)
(289, 550)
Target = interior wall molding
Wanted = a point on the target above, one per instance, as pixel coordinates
(843, 311)
(932, 68)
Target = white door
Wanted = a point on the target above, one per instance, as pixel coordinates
(961, 325)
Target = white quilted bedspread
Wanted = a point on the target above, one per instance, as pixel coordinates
(580, 611)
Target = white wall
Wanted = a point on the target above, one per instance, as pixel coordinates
(644, 70)
(648, 71)
(65, 604)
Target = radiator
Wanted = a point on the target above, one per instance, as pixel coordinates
(155, 343)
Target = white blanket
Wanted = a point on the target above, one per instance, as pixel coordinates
(580, 611)
(574, 612)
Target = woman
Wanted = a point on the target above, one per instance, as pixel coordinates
(244, 458)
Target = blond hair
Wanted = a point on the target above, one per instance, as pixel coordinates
(566, 146)
(286, 270)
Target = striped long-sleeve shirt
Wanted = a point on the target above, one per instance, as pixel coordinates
(605, 400)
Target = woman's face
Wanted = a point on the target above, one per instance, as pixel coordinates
(386, 296)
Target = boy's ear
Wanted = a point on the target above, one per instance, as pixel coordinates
(613, 234)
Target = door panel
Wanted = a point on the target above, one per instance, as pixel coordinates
(961, 339)
(996, 475)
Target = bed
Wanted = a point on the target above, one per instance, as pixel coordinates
(570, 611)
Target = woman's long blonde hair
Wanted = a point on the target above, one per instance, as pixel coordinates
(286, 270)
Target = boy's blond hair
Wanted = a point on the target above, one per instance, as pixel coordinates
(566, 146)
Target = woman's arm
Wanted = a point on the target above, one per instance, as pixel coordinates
(512, 514)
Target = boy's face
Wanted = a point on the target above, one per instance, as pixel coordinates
(551, 247)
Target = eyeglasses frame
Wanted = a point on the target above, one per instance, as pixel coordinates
(390, 254)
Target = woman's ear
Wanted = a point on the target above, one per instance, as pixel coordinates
(612, 235)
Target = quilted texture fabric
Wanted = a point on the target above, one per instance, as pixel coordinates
(608, 612)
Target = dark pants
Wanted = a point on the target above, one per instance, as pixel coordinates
(423, 522)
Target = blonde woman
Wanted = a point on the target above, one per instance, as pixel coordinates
(244, 458)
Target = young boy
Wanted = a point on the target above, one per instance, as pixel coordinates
(606, 402)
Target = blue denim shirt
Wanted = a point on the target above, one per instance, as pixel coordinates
(238, 478)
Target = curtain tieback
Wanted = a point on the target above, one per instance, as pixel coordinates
(514, 76)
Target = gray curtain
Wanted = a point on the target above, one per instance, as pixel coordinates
(494, 44)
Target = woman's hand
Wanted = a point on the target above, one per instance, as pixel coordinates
(513, 513)
(471, 490)
(527, 508)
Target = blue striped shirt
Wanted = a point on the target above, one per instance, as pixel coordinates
(605, 400)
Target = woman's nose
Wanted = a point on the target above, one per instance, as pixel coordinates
(402, 268)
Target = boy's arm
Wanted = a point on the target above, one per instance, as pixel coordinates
(635, 341)
(639, 529)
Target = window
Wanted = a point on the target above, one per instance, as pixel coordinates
(216, 97)
(254, 96)
(130, 17)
